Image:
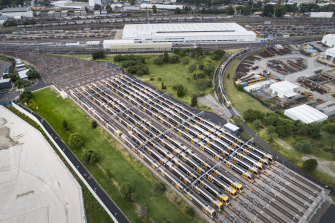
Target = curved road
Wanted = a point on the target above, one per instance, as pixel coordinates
(99, 191)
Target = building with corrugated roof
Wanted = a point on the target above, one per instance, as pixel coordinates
(305, 114)
(284, 90)
(187, 32)
(18, 12)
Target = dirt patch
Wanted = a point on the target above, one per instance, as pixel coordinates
(283, 143)
(209, 100)
(323, 165)
(5, 140)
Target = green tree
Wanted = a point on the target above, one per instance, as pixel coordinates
(128, 192)
(90, 157)
(154, 9)
(98, 54)
(279, 10)
(273, 136)
(190, 211)
(178, 11)
(251, 115)
(257, 124)
(166, 58)
(94, 124)
(75, 141)
(310, 165)
(239, 87)
(174, 59)
(109, 9)
(230, 10)
(330, 127)
(158, 61)
(97, 7)
(194, 101)
(132, 2)
(185, 61)
(25, 96)
(163, 86)
(159, 187)
(32, 74)
(65, 125)
(268, 10)
(192, 67)
(303, 146)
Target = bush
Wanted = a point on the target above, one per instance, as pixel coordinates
(218, 54)
(163, 86)
(313, 130)
(310, 165)
(65, 125)
(239, 87)
(257, 124)
(190, 211)
(90, 157)
(25, 96)
(209, 69)
(185, 61)
(32, 74)
(273, 136)
(159, 187)
(330, 127)
(128, 192)
(181, 91)
(159, 79)
(75, 141)
(192, 67)
(303, 146)
(98, 54)
(174, 59)
(166, 58)
(194, 101)
(158, 61)
(201, 66)
(94, 124)
(251, 115)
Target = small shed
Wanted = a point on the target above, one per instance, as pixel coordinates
(231, 128)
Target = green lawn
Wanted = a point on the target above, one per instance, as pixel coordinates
(240, 100)
(172, 74)
(121, 164)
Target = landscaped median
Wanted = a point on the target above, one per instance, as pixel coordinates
(123, 177)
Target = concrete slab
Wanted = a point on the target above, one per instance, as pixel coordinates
(35, 185)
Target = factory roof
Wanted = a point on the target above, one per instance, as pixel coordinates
(284, 89)
(5, 80)
(184, 29)
(23, 74)
(16, 9)
(322, 14)
(306, 114)
(330, 52)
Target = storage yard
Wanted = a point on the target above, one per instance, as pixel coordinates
(59, 34)
(291, 30)
(224, 176)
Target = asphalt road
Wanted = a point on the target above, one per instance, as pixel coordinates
(112, 207)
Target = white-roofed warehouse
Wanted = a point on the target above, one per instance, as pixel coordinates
(187, 32)
(305, 114)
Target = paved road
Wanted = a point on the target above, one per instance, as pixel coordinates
(39, 85)
(112, 207)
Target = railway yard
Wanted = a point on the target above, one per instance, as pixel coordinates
(227, 178)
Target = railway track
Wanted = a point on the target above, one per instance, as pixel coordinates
(146, 120)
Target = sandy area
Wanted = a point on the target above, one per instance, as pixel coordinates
(35, 186)
(323, 165)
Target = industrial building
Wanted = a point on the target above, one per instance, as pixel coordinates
(187, 32)
(327, 108)
(330, 54)
(305, 114)
(321, 14)
(131, 46)
(5, 84)
(23, 74)
(284, 90)
(329, 40)
(18, 12)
